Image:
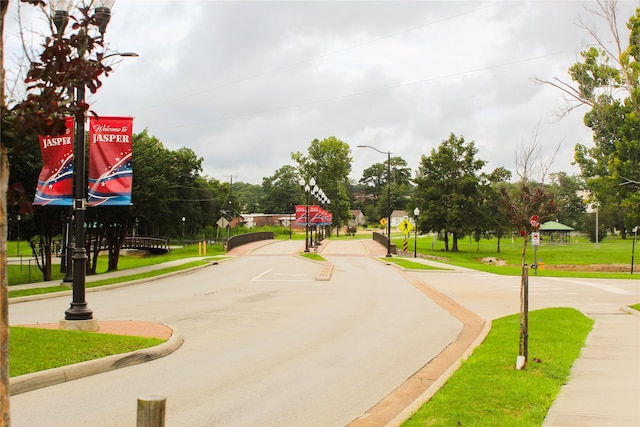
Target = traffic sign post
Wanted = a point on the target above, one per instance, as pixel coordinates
(535, 222)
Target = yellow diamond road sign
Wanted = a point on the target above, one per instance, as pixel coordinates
(383, 222)
(405, 226)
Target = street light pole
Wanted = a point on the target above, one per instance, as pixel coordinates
(388, 153)
(416, 213)
(79, 310)
(307, 188)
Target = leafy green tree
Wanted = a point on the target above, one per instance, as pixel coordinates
(570, 206)
(329, 162)
(448, 189)
(248, 196)
(607, 80)
(281, 191)
(494, 216)
(375, 178)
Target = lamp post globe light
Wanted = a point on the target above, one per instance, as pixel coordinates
(79, 314)
(322, 198)
(388, 153)
(416, 213)
(307, 188)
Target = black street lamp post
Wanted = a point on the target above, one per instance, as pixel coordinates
(416, 213)
(79, 309)
(307, 188)
(388, 153)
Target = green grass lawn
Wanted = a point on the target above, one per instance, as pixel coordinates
(487, 390)
(34, 349)
(19, 274)
(583, 256)
(312, 256)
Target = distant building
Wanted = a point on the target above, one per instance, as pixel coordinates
(357, 217)
(397, 217)
(260, 220)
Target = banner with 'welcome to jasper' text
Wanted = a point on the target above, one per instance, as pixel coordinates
(110, 170)
(55, 182)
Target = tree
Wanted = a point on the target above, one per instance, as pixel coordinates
(607, 81)
(570, 206)
(329, 162)
(280, 191)
(448, 189)
(521, 204)
(494, 214)
(248, 196)
(376, 179)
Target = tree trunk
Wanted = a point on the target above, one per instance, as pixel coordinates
(454, 246)
(5, 418)
(446, 241)
(498, 251)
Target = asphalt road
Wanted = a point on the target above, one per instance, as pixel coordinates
(265, 344)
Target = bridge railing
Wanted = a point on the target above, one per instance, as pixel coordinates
(141, 242)
(243, 239)
(382, 239)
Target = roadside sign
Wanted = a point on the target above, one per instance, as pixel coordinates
(535, 238)
(222, 222)
(383, 222)
(405, 226)
(535, 221)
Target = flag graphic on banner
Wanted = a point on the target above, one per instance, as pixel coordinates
(301, 215)
(110, 170)
(55, 182)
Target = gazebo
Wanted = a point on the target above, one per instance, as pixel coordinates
(556, 232)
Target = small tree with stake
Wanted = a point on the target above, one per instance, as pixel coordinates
(528, 199)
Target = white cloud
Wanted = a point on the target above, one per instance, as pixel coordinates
(244, 84)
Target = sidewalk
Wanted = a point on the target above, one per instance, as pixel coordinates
(111, 274)
(604, 385)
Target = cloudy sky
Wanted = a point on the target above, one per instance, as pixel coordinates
(246, 83)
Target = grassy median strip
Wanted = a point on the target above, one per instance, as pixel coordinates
(487, 390)
(35, 349)
(312, 256)
(411, 265)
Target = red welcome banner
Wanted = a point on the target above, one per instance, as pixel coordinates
(110, 170)
(55, 182)
(301, 215)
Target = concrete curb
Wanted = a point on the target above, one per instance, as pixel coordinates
(630, 311)
(441, 381)
(325, 273)
(36, 380)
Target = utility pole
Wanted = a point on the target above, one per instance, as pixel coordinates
(231, 213)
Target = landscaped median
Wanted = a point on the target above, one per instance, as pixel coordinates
(41, 357)
(407, 264)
